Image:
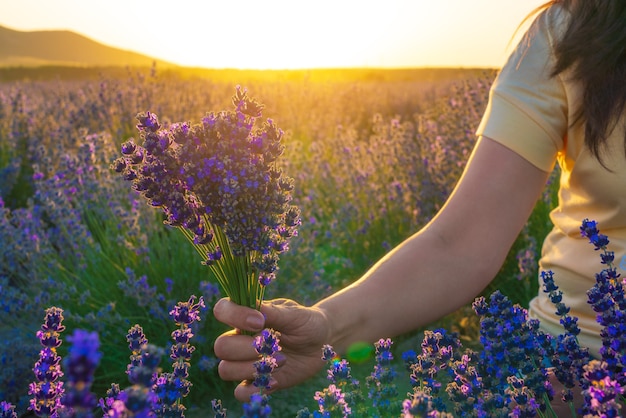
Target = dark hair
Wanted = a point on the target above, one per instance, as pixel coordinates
(593, 47)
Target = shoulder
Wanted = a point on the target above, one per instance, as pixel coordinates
(532, 62)
(528, 107)
(548, 26)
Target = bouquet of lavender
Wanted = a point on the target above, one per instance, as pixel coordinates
(219, 183)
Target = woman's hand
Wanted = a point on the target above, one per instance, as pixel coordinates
(303, 333)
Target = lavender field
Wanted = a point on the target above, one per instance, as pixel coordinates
(373, 156)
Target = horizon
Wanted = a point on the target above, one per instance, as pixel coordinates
(399, 35)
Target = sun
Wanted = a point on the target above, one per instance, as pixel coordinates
(278, 35)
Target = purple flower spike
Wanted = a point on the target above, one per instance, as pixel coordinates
(117, 410)
(419, 405)
(170, 388)
(47, 389)
(218, 409)
(109, 401)
(257, 407)
(138, 400)
(80, 364)
(148, 121)
(136, 339)
(187, 312)
(381, 382)
(267, 343)
(328, 353)
(7, 410)
(589, 229)
(263, 371)
(265, 278)
(129, 147)
(332, 402)
(53, 320)
(602, 393)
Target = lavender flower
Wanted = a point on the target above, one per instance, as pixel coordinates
(144, 373)
(339, 374)
(80, 364)
(466, 388)
(437, 355)
(47, 389)
(263, 369)
(568, 357)
(136, 340)
(266, 344)
(328, 353)
(172, 387)
(112, 396)
(589, 229)
(602, 392)
(513, 346)
(331, 402)
(7, 410)
(383, 390)
(218, 182)
(525, 404)
(218, 410)
(117, 410)
(421, 405)
(608, 300)
(185, 313)
(257, 407)
(134, 401)
(526, 260)
(139, 289)
(150, 358)
(140, 399)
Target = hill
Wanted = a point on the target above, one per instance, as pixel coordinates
(64, 48)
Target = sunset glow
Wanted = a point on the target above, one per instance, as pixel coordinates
(284, 34)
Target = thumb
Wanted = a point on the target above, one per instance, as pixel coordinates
(237, 316)
(280, 313)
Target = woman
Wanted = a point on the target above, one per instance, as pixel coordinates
(559, 98)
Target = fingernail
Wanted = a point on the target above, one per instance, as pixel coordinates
(255, 322)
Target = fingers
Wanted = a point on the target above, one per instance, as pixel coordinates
(233, 371)
(236, 350)
(276, 312)
(239, 317)
(235, 347)
(244, 390)
(237, 355)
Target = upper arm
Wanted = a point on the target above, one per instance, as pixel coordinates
(530, 110)
(489, 206)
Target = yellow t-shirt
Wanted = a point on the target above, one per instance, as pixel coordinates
(531, 113)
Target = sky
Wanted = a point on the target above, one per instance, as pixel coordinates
(289, 34)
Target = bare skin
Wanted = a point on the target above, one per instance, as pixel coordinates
(432, 273)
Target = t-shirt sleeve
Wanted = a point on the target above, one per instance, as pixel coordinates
(527, 109)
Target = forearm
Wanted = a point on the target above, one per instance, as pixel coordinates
(420, 281)
(450, 261)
